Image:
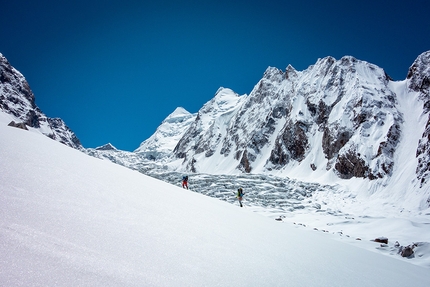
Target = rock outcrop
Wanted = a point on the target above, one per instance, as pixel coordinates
(17, 99)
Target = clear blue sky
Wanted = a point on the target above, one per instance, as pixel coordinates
(114, 69)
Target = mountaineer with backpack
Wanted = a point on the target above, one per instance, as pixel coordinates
(185, 181)
(239, 195)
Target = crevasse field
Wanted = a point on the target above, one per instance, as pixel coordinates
(68, 219)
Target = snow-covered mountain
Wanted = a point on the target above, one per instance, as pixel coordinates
(161, 144)
(339, 121)
(205, 134)
(17, 99)
(336, 116)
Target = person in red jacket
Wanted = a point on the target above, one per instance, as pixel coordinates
(185, 182)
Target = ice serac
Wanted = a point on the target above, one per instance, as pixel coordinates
(17, 99)
(161, 144)
(419, 81)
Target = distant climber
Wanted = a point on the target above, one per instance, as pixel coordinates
(185, 181)
(240, 196)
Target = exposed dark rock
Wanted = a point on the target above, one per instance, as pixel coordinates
(350, 165)
(407, 251)
(381, 240)
(320, 112)
(18, 125)
(192, 166)
(333, 140)
(244, 163)
(291, 144)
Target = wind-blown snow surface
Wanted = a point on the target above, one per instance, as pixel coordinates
(68, 219)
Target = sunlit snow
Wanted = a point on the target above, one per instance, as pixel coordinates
(68, 219)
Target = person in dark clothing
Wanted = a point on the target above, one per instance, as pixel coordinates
(239, 196)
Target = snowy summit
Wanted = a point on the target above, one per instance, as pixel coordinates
(163, 141)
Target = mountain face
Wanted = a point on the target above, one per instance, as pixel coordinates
(341, 110)
(17, 100)
(346, 117)
(419, 82)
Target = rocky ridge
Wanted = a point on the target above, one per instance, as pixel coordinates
(17, 100)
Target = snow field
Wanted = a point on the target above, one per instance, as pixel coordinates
(68, 219)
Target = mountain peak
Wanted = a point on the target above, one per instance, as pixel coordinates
(178, 115)
(167, 135)
(274, 74)
(107, 146)
(179, 111)
(419, 73)
(225, 96)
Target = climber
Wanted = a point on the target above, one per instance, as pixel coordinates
(240, 196)
(185, 181)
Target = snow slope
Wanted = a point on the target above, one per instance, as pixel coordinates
(68, 219)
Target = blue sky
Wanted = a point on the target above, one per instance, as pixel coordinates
(114, 69)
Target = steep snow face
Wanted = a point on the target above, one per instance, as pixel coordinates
(17, 99)
(167, 135)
